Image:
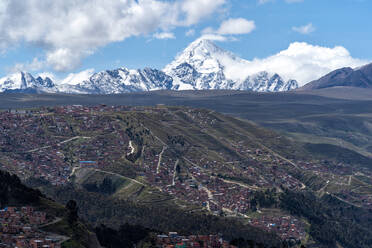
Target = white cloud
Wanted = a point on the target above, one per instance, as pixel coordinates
(164, 36)
(214, 37)
(190, 32)
(76, 78)
(34, 65)
(236, 26)
(232, 27)
(49, 75)
(307, 29)
(300, 61)
(208, 30)
(70, 30)
(65, 59)
(195, 10)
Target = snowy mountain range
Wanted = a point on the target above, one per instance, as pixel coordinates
(201, 66)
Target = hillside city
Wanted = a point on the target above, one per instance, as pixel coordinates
(52, 143)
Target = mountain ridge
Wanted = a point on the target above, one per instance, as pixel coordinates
(346, 77)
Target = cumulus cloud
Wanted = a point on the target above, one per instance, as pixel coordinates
(236, 26)
(232, 27)
(70, 30)
(306, 62)
(164, 36)
(307, 29)
(300, 61)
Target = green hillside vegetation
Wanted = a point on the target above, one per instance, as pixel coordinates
(339, 154)
(332, 221)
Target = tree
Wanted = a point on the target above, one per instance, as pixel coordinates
(254, 204)
(72, 211)
(107, 187)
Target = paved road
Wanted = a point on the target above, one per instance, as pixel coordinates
(60, 143)
(121, 176)
(160, 157)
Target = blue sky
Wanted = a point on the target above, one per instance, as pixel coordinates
(39, 41)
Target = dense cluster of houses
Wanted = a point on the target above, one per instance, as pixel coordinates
(19, 227)
(327, 167)
(214, 193)
(173, 240)
(36, 143)
(287, 227)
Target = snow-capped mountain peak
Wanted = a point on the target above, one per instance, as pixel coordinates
(201, 54)
(204, 65)
(25, 82)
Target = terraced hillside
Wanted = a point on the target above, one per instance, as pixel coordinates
(163, 166)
